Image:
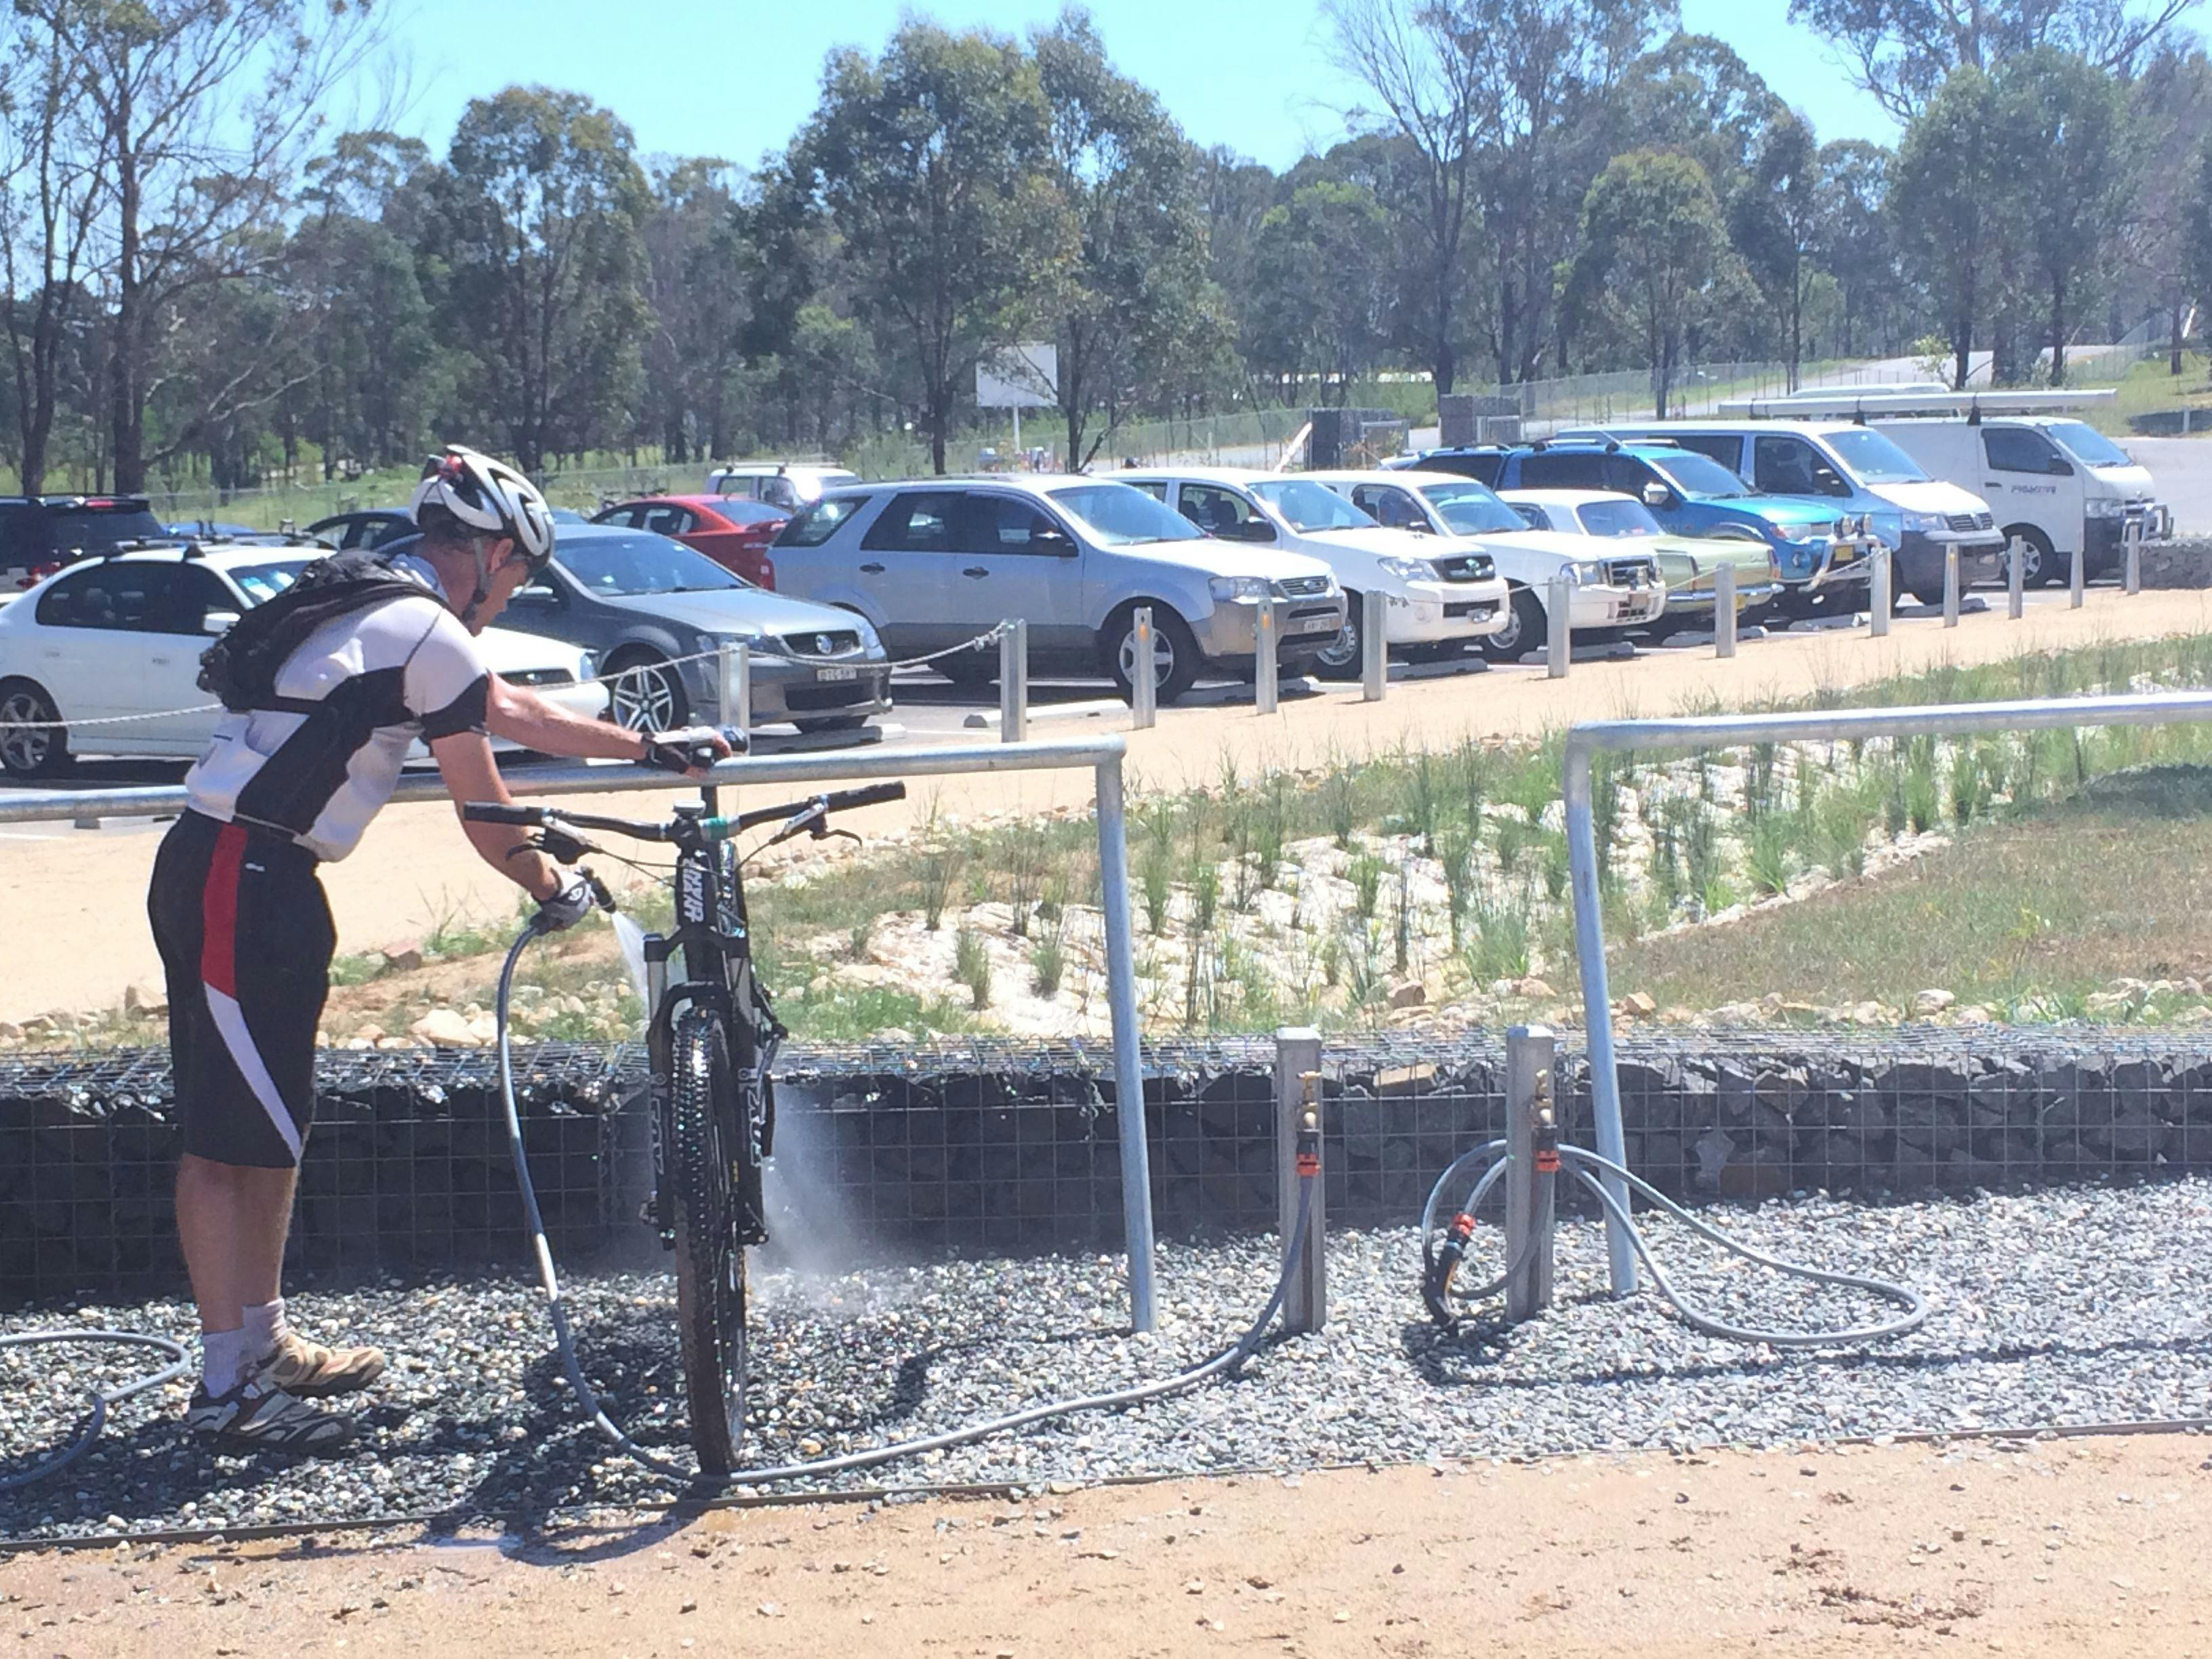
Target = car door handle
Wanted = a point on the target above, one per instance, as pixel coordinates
(159, 662)
(975, 570)
(871, 570)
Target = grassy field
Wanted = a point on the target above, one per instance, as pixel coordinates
(2030, 917)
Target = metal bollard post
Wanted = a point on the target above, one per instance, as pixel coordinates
(1558, 635)
(1724, 611)
(2080, 580)
(1143, 685)
(2016, 578)
(2131, 539)
(1267, 662)
(1374, 647)
(734, 684)
(1298, 1092)
(1532, 1144)
(1014, 682)
(1951, 586)
(1881, 593)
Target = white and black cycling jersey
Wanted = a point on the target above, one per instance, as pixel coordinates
(380, 678)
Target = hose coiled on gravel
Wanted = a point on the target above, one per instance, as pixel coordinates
(103, 1399)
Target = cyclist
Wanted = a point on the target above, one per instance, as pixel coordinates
(245, 935)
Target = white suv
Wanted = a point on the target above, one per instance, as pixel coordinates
(935, 561)
(1440, 603)
(119, 640)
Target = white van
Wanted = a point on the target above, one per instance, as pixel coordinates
(2055, 482)
(787, 484)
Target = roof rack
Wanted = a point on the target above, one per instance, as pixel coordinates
(1911, 400)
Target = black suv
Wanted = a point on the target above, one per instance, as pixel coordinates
(41, 533)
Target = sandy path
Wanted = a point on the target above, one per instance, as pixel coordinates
(75, 931)
(2084, 1548)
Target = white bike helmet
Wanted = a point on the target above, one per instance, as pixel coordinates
(487, 498)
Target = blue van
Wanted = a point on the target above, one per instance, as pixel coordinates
(1690, 494)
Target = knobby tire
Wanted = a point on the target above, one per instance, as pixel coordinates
(709, 1147)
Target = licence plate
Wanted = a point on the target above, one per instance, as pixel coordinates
(1320, 625)
(836, 673)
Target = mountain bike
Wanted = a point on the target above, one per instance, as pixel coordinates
(711, 1037)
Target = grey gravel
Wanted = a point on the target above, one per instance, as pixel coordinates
(2066, 1306)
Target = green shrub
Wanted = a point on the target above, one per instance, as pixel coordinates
(971, 966)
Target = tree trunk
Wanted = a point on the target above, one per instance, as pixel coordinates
(2058, 333)
(2174, 346)
(125, 405)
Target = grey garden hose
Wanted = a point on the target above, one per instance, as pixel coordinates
(1228, 1360)
(103, 1399)
(1915, 1304)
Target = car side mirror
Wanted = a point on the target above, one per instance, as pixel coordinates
(1054, 541)
(1253, 530)
(1656, 494)
(2059, 467)
(218, 621)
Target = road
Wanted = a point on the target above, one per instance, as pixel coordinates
(77, 918)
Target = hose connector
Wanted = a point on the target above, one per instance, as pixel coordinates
(1309, 1136)
(1436, 1286)
(1545, 1141)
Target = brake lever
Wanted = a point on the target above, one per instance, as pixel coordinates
(557, 842)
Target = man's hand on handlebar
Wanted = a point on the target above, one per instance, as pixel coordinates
(692, 750)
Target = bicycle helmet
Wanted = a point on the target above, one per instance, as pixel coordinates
(487, 498)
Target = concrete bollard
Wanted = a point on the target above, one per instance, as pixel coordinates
(2017, 578)
(1014, 682)
(1267, 662)
(734, 684)
(1531, 1177)
(1144, 685)
(2080, 580)
(1951, 586)
(1374, 647)
(1559, 634)
(1881, 591)
(2131, 539)
(1724, 611)
(1298, 1092)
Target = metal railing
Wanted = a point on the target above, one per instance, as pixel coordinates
(1584, 742)
(1103, 752)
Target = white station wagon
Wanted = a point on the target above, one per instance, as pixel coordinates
(122, 636)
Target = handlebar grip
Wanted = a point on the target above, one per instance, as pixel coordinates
(488, 811)
(874, 794)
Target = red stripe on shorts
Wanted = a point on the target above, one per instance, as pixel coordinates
(219, 913)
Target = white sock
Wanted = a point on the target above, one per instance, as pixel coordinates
(265, 1328)
(223, 1359)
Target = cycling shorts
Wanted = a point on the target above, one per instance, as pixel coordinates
(246, 938)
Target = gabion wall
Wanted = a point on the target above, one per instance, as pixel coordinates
(998, 1148)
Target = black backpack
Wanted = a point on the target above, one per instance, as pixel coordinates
(241, 667)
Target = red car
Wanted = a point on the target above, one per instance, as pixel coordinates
(731, 530)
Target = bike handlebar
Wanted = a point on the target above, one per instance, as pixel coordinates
(537, 817)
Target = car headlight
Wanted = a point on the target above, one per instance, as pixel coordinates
(1229, 590)
(2108, 508)
(1921, 524)
(869, 641)
(588, 667)
(1407, 570)
(1589, 574)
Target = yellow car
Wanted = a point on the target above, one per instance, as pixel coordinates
(1688, 564)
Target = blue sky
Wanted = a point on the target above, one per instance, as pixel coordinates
(735, 79)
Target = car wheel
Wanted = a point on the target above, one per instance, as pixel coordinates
(2040, 563)
(971, 671)
(25, 751)
(1341, 658)
(833, 723)
(1174, 654)
(1525, 631)
(648, 695)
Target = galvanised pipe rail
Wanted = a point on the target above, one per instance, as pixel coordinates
(1103, 752)
(1705, 731)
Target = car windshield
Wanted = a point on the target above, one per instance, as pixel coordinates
(2087, 444)
(1117, 515)
(1623, 517)
(1308, 505)
(1699, 476)
(619, 566)
(1469, 509)
(1872, 459)
(262, 582)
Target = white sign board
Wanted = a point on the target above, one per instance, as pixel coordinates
(1020, 377)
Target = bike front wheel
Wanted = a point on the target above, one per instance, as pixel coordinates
(704, 1167)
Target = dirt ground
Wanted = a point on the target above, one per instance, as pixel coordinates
(79, 898)
(2085, 1548)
